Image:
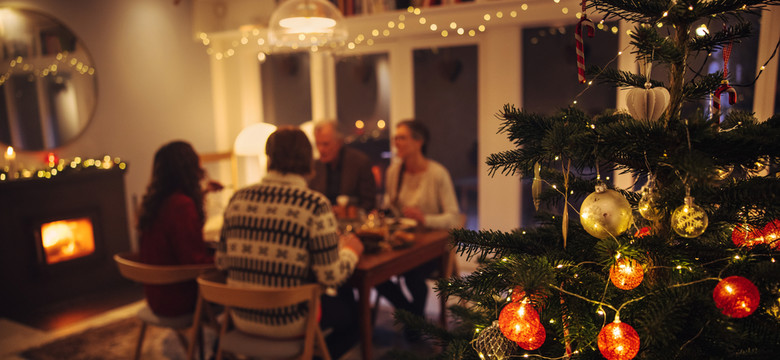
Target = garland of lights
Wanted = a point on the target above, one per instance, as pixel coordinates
(62, 167)
(403, 21)
(61, 59)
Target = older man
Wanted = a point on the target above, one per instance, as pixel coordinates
(342, 170)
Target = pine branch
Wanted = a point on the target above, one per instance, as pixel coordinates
(712, 42)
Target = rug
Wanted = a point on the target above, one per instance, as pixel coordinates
(116, 340)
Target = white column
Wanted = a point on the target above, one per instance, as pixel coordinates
(323, 85)
(500, 80)
(401, 59)
(766, 85)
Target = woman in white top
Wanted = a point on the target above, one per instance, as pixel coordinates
(421, 189)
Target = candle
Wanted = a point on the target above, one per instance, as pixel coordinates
(10, 155)
(10, 160)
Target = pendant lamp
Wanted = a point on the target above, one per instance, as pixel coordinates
(306, 23)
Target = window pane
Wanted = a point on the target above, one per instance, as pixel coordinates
(550, 69)
(286, 89)
(445, 88)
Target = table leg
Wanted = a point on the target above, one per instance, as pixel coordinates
(366, 327)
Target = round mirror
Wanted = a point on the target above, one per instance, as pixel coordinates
(47, 81)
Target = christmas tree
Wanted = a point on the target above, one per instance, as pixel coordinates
(685, 266)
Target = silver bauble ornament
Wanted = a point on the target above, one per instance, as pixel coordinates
(605, 212)
(689, 220)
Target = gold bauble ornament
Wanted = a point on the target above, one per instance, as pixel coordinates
(490, 343)
(689, 220)
(648, 205)
(605, 212)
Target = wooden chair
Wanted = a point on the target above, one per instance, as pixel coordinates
(130, 267)
(213, 289)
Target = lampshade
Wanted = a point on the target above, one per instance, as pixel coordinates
(306, 23)
(251, 140)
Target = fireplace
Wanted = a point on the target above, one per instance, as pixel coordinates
(59, 236)
(67, 239)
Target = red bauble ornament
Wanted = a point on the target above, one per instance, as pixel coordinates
(618, 341)
(626, 274)
(534, 341)
(736, 296)
(771, 234)
(746, 235)
(518, 321)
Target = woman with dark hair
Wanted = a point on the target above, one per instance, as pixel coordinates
(421, 189)
(171, 225)
(280, 233)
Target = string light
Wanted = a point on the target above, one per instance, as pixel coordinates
(360, 38)
(64, 167)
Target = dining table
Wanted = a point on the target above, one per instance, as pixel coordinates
(376, 268)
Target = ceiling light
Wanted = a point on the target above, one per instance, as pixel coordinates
(306, 23)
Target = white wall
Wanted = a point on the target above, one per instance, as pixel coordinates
(154, 81)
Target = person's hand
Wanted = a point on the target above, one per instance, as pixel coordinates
(413, 212)
(212, 186)
(351, 241)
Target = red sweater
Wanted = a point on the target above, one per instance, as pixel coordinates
(175, 238)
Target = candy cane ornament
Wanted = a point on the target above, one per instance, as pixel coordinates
(584, 22)
(724, 87)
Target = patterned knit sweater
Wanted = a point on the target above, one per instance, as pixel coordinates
(279, 233)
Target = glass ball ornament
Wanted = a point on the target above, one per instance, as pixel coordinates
(618, 341)
(535, 340)
(518, 321)
(689, 220)
(648, 205)
(626, 274)
(605, 212)
(736, 296)
(491, 344)
(746, 235)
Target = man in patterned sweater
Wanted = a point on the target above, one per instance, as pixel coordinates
(279, 233)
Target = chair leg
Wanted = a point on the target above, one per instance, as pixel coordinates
(140, 344)
(320, 345)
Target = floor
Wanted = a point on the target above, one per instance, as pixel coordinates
(17, 335)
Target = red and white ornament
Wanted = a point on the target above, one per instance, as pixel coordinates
(591, 30)
(618, 341)
(736, 296)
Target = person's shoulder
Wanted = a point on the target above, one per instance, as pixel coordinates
(437, 166)
(354, 154)
(178, 199)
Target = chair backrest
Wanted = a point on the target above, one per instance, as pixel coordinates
(131, 268)
(214, 288)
